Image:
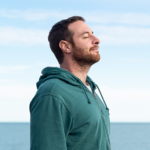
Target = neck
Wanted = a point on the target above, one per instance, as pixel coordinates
(79, 71)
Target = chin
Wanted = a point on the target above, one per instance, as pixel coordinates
(97, 58)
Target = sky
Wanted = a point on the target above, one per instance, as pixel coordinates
(122, 74)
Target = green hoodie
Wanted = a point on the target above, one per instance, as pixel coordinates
(65, 115)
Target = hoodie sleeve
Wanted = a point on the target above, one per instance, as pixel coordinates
(50, 124)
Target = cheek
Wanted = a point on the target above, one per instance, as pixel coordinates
(84, 45)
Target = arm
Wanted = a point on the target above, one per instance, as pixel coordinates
(50, 124)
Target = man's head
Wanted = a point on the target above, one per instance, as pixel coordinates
(60, 32)
(72, 37)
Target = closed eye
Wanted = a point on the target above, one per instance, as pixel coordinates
(86, 37)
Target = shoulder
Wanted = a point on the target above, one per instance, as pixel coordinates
(53, 87)
(49, 94)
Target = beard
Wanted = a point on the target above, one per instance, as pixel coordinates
(85, 56)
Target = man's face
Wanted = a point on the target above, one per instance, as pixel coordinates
(85, 48)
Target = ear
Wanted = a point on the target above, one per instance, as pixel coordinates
(65, 46)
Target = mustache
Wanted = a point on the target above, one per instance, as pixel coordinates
(94, 47)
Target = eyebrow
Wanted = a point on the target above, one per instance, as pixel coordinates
(86, 32)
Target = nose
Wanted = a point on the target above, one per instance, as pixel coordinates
(96, 40)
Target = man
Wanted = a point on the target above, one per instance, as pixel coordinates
(66, 112)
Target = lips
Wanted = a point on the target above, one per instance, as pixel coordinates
(94, 48)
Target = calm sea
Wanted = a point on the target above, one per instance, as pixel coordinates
(124, 136)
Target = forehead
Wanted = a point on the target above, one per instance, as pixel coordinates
(79, 27)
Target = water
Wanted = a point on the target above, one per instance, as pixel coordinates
(130, 136)
(14, 136)
(124, 136)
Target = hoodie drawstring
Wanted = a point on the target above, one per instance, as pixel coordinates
(89, 101)
(86, 94)
(103, 99)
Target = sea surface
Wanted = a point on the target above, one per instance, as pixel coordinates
(124, 136)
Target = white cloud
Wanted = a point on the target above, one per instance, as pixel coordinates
(121, 35)
(109, 35)
(44, 64)
(117, 34)
(5, 81)
(127, 105)
(14, 102)
(41, 63)
(119, 18)
(93, 17)
(9, 69)
(54, 65)
(18, 36)
(131, 105)
(136, 60)
(127, 94)
(31, 15)
(17, 92)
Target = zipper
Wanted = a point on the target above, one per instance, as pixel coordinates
(104, 119)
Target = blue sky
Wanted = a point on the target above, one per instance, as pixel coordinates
(122, 73)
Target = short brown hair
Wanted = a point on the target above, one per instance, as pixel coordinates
(60, 32)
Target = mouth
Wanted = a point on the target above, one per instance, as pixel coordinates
(95, 48)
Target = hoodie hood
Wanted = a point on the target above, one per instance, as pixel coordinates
(66, 76)
(59, 73)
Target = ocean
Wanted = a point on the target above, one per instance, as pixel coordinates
(123, 136)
